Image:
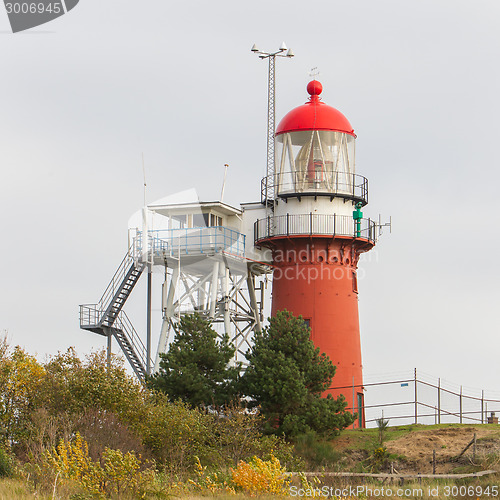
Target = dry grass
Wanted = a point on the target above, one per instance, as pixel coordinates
(16, 489)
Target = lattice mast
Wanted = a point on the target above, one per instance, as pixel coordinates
(267, 187)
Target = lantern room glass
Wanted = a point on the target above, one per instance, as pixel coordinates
(314, 161)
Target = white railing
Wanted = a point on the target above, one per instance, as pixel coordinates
(314, 225)
(330, 183)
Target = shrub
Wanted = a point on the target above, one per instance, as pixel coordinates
(261, 477)
(6, 463)
(210, 483)
(102, 429)
(237, 435)
(117, 474)
(176, 434)
(316, 452)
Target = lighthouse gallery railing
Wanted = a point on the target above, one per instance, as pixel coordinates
(313, 225)
(328, 183)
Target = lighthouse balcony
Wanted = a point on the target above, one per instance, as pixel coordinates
(316, 183)
(311, 225)
(194, 241)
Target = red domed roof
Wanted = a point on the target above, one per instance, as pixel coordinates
(314, 115)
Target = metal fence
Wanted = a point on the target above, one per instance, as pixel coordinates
(328, 182)
(416, 397)
(195, 240)
(313, 225)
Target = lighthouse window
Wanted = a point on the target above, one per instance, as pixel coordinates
(354, 282)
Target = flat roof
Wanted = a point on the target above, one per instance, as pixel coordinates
(193, 207)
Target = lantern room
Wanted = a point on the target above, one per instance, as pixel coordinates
(315, 152)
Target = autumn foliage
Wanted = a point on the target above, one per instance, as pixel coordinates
(78, 426)
(85, 428)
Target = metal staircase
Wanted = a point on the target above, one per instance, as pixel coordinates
(107, 318)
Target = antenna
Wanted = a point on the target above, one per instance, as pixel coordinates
(385, 224)
(224, 181)
(314, 72)
(144, 177)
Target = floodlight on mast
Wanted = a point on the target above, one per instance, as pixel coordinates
(267, 196)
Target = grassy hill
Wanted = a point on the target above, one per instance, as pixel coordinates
(404, 451)
(410, 448)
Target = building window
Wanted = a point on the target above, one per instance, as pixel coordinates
(354, 282)
(307, 322)
(181, 220)
(215, 220)
(200, 220)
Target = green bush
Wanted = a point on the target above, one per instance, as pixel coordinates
(6, 464)
(315, 451)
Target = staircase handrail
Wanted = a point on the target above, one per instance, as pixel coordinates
(123, 323)
(89, 315)
(115, 282)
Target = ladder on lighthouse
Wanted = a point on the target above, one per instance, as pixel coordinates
(107, 317)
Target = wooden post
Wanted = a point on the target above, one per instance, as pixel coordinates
(460, 404)
(482, 407)
(416, 408)
(439, 400)
(433, 461)
(474, 449)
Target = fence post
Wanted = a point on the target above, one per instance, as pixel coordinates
(354, 423)
(439, 402)
(482, 407)
(460, 404)
(415, 381)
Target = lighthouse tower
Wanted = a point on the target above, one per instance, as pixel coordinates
(316, 232)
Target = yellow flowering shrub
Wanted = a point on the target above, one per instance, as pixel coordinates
(70, 460)
(118, 473)
(261, 476)
(209, 482)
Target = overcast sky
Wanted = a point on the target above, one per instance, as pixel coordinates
(85, 95)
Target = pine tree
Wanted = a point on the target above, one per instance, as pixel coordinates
(195, 368)
(286, 377)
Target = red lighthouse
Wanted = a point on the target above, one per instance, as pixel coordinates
(317, 233)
